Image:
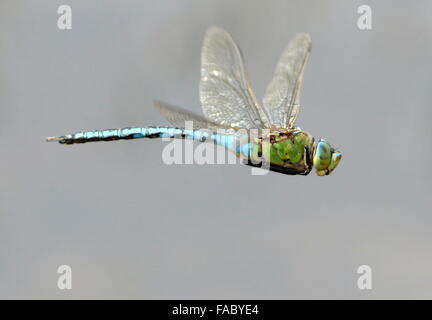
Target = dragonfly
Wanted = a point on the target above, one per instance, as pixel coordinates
(229, 103)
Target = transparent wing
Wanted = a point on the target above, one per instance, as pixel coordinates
(282, 97)
(177, 117)
(225, 92)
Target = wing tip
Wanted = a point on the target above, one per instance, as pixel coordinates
(303, 36)
(303, 39)
(157, 104)
(216, 31)
(161, 107)
(213, 29)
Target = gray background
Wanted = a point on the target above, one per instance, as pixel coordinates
(132, 227)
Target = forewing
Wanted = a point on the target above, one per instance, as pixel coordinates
(177, 117)
(225, 92)
(282, 97)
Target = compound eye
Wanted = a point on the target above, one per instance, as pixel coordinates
(322, 156)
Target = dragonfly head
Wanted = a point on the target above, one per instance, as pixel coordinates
(325, 158)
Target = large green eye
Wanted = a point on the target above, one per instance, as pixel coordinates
(322, 156)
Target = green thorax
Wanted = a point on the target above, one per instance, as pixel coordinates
(289, 150)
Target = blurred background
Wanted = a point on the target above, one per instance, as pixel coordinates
(132, 227)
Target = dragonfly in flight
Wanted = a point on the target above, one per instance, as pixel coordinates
(228, 102)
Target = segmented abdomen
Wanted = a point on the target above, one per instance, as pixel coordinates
(232, 142)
